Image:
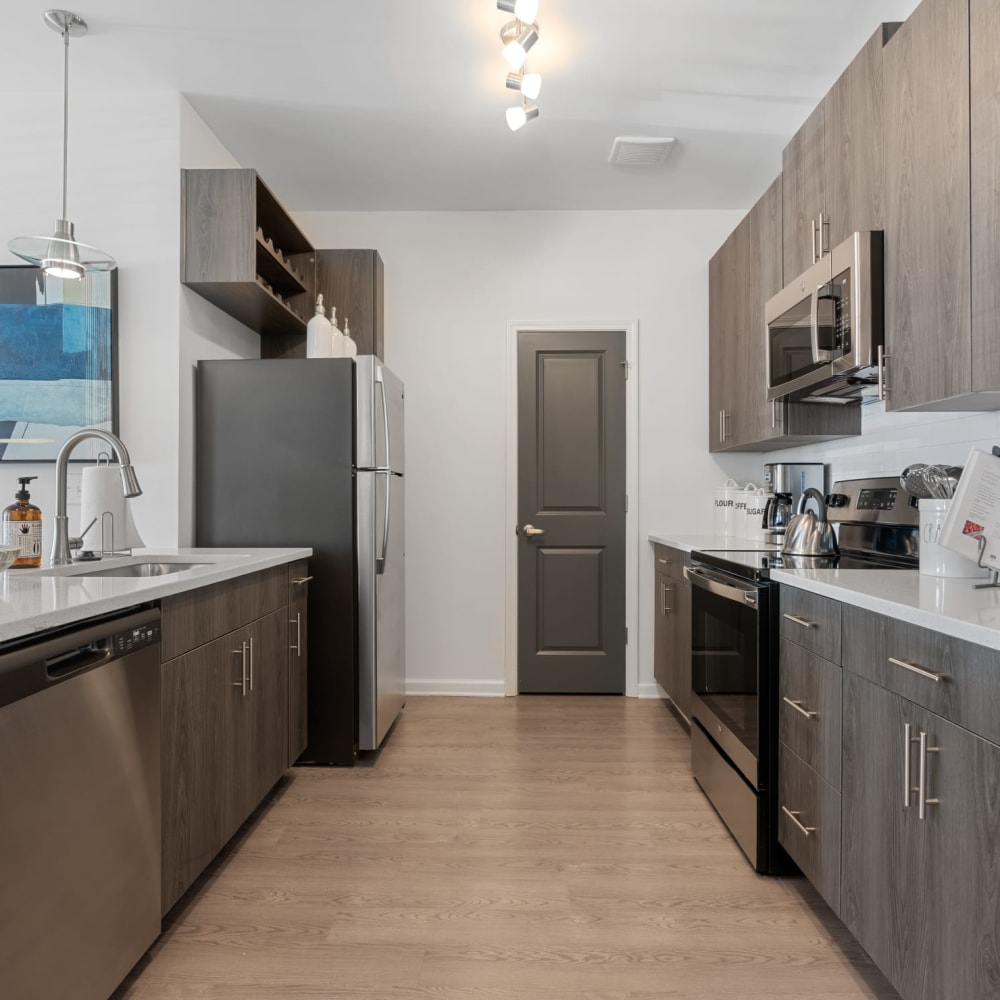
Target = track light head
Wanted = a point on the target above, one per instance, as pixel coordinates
(517, 42)
(519, 114)
(529, 84)
(523, 10)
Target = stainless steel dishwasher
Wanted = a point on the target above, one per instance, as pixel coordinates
(79, 807)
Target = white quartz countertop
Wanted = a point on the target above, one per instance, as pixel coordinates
(710, 543)
(35, 600)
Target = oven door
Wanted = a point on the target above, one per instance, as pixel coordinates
(729, 649)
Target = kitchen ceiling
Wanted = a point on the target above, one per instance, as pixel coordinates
(399, 104)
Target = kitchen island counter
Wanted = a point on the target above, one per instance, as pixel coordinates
(36, 600)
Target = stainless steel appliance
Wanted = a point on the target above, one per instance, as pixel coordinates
(825, 330)
(734, 649)
(311, 452)
(80, 816)
(785, 482)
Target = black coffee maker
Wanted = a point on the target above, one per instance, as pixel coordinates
(785, 482)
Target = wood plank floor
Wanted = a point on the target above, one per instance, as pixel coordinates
(530, 848)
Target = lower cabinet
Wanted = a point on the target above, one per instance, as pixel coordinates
(921, 846)
(672, 627)
(224, 731)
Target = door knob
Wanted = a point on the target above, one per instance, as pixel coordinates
(530, 530)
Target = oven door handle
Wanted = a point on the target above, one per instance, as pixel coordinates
(722, 586)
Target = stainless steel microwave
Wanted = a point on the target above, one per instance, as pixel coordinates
(825, 329)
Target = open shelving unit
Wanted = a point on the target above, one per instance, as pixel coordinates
(242, 252)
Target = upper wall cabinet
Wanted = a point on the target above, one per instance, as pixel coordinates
(833, 166)
(242, 252)
(943, 208)
(743, 275)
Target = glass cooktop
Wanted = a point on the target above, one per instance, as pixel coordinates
(757, 564)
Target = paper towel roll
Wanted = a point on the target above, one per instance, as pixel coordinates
(101, 493)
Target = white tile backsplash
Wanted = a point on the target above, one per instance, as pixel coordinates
(891, 441)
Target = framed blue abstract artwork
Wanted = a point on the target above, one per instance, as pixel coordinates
(58, 355)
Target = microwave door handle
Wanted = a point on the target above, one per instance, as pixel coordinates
(814, 324)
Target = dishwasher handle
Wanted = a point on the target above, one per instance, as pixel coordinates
(77, 660)
(57, 656)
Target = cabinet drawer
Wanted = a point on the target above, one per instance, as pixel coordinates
(810, 710)
(670, 561)
(197, 616)
(298, 580)
(957, 680)
(809, 824)
(812, 622)
(258, 594)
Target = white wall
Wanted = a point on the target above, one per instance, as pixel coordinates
(206, 332)
(123, 198)
(452, 283)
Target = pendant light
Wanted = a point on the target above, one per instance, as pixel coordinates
(60, 255)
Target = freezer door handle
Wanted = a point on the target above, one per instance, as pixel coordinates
(380, 560)
(380, 382)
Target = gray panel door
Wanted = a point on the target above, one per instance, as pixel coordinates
(571, 513)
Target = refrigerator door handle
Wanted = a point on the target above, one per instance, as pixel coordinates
(380, 560)
(380, 382)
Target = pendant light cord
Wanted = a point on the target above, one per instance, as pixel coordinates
(65, 35)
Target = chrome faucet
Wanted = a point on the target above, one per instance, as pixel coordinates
(61, 543)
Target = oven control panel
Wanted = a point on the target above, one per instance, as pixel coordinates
(884, 499)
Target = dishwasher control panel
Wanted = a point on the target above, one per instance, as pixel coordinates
(136, 638)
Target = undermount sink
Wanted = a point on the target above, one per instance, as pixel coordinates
(145, 569)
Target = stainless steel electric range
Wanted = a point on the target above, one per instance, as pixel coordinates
(735, 613)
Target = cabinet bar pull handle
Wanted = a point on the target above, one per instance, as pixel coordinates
(822, 247)
(251, 663)
(664, 590)
(665, 562)
(908, 787)
(297, 622)
(800, 621)
(883, 388)
(301, 580)
(922, 801)
(242, 682)
(812, 223)
(794, 817)
(797, 705)
(722, 426)
(916, 669)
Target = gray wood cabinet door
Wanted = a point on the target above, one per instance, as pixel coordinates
(854, 144)
(984, 66)
(719, 335)
(927, 241)
(680, 673)
(921, 894)
(803, 193)
(663, 638)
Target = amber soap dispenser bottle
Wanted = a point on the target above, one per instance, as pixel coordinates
(22, 526)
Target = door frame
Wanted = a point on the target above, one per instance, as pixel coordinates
(631, 330)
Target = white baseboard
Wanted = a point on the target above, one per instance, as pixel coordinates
(417, 686)
(650, 689)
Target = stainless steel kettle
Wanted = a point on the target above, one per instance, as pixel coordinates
(807, 534)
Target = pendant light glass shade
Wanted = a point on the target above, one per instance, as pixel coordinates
(60, 255)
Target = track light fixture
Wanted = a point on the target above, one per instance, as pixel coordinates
(518, 37)
(60, 255)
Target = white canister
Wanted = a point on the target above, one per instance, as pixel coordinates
(935, 559)
(741, 522)
(755, 504)
(725, 506)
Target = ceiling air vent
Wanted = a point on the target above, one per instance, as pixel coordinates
(640, 151)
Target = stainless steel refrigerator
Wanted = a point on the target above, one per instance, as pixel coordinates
(311, 452)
